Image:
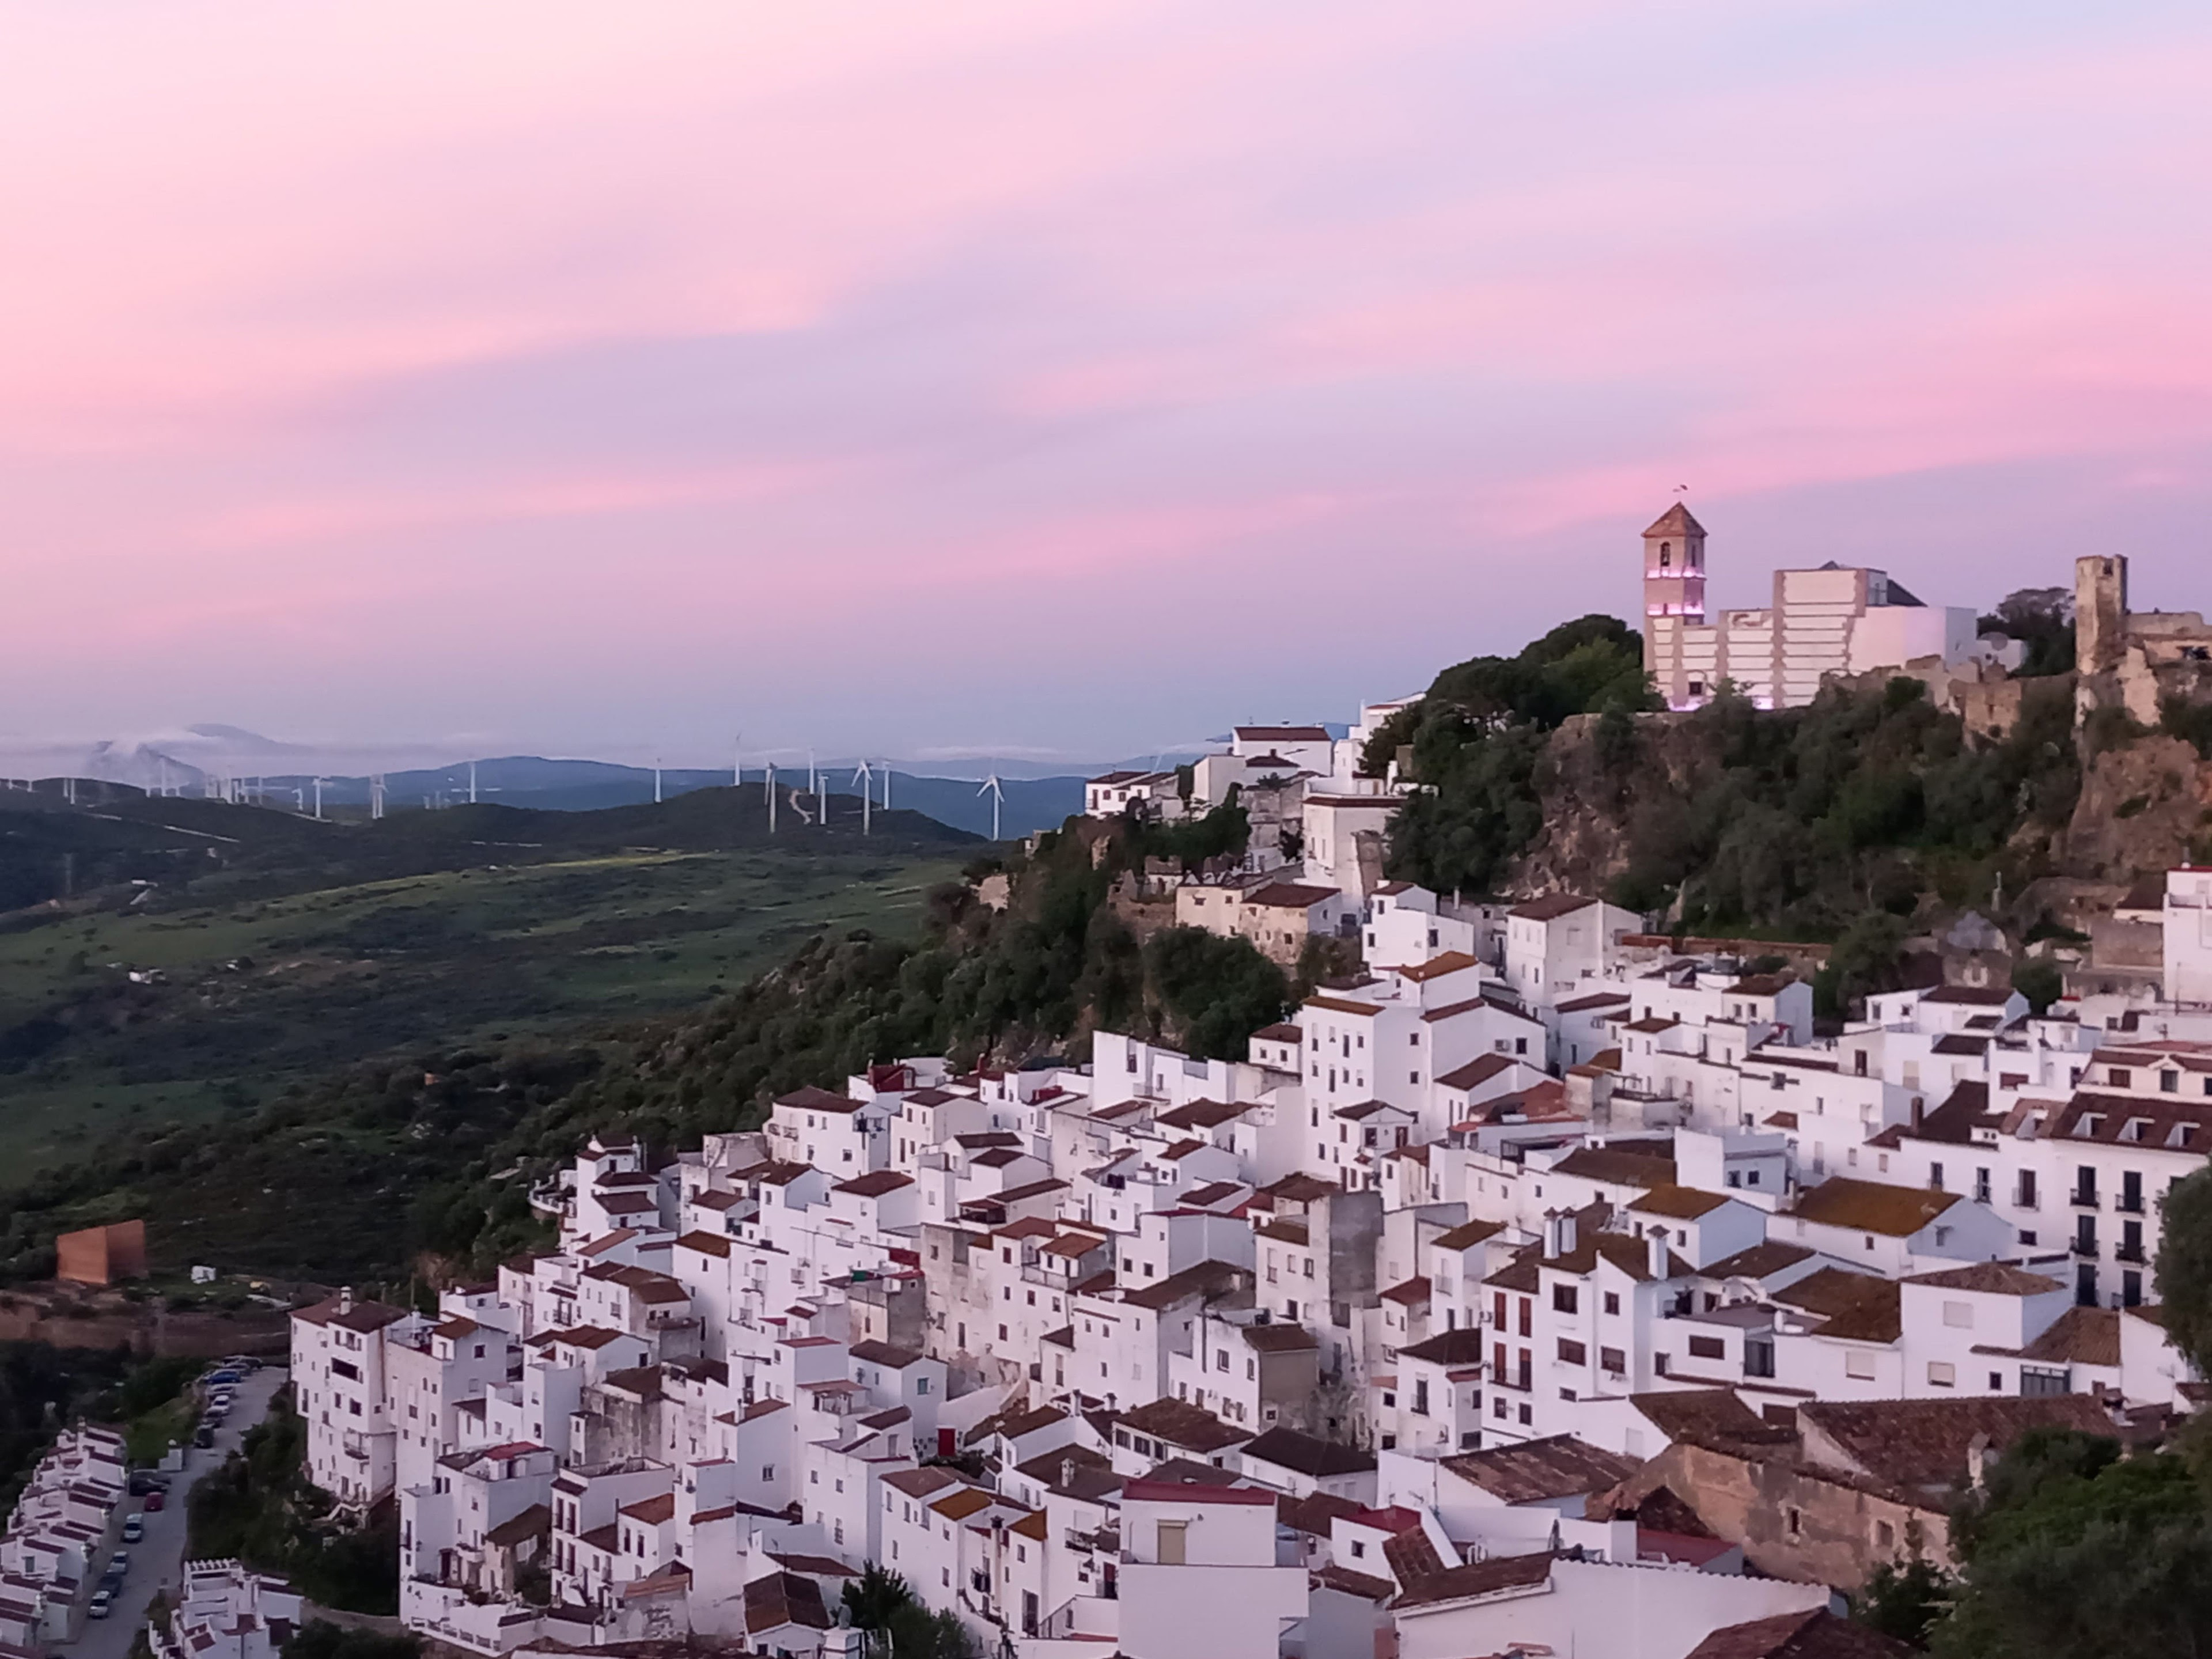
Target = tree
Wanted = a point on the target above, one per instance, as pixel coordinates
(2183, 1274)
(882, 1601)
(2040, 982)
(2074, 1551)
(1217, 991)
(1905, 1602)
(2042, 619)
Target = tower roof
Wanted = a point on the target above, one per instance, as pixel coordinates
(1676, 521)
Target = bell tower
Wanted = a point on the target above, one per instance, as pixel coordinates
(1674, 566)
(1673, 600)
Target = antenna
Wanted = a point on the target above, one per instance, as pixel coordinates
(998, 800)
(865, 777)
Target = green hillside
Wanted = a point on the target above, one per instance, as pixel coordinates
(210, 956)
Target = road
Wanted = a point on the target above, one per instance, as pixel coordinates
(156, 1560)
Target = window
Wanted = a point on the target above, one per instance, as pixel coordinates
(1572, 1353)
(1959, 1315)
(1708, 1347)
(1170, 1549)
(1943, 1374)
(1613, 1302)
(1563, 1298)
(1859, 1366)
(1884, 1535)
(1612, 1360)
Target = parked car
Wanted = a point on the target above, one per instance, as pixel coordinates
(118, 1564)
(205, 1436)
(243, 1362)
(224, 1376)
(157, 1499)
(134, 1529)
(101, 1601)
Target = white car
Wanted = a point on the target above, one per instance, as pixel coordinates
(101, 1601)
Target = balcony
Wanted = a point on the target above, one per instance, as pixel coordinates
(2085, 1247)
(2083, 1198)
(2132, 1254)
(1520, 1379)
(2129, 1203)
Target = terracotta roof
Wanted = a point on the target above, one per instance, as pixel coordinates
(532, 1523)
(1176, 1492)
(1468, 1235)
(1279, 1337)
(1181, 1424)
(883, 1353)
(1680, 1203)
(812, 1099)
(1872, 1206)
(959, 1505)
(1973, 996)
(1551, 909)
(1285, 1031)
(1203, 1114)
(1450, 962)
(1207, 1279)
(1919, 1445)
(652, 1511)
(1410, 1556)
(1616, 1166)
(1306, 1454)
(875, 1183)
(1290, 895)
(1459, 1346)
(1996, 1277)
(1676, 521)
(704, 1243)
(1500, 1572)
(1339, 1006)
(1710, 1416)
(2080, 1336)
(361, 1317)
(1759, 1261)
(1538, 1471)
(1413, 1293)
(1476, 1073)
(1857, 1306)
(1815, 1633)
(1596, 999)
(784, 1598)
(920, 1483)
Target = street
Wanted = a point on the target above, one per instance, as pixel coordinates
(156, 1560)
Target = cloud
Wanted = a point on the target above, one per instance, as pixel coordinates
(1065, 372)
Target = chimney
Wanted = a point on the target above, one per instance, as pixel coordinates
(345, 1299)
(1654, 1250)
(1917, 1104)
(1567, 1232)
(1067, 1473)
(1552, 1249)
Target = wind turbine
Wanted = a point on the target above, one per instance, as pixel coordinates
(656, 780)
(376, 797)
(998, 800)
(737, 762)
(865, 777)
(768, 786)
(887, 786)
(318, 799)
(473, 783)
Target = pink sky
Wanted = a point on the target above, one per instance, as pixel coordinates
(1076, 378)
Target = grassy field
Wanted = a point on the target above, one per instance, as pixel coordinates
(212, 997)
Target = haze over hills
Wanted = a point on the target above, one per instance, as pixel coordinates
(233, 762)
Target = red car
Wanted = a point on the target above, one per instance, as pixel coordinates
(156, 1500)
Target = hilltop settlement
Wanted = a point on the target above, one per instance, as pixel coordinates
(1546, 1284)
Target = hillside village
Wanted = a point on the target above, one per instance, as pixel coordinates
(1544, 1283)
(1544, 1286)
